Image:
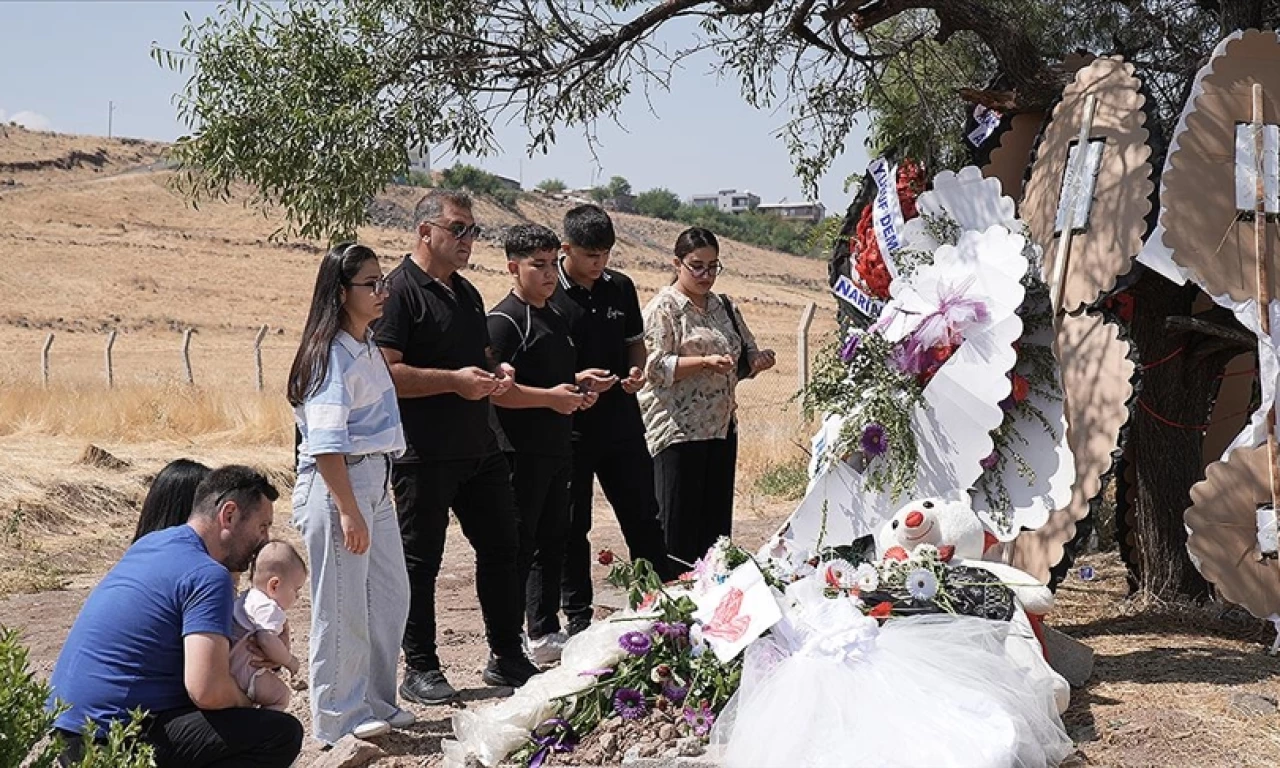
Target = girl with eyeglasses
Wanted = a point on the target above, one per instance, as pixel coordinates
(699, 349)
(345, 406)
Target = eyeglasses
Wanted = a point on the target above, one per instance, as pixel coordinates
(459, 230)
(708, 270)
(377, 286)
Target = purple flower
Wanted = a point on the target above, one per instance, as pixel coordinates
(629, 704)
(850, 347)
(991, 461)
(699, 720)
(676, 694)
(874, 440)
(554, 735)
(1008, 404)
(635, 643)
(674, 630)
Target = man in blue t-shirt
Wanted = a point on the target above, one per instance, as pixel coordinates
(155, 635)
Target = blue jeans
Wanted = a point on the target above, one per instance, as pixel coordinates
(359, 603)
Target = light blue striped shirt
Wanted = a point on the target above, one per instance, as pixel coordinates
(354, 410)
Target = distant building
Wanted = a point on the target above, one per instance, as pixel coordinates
(727, 200)
(420, 160)
(508, 182)
(801, 211)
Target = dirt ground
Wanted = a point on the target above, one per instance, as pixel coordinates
(1161, 692)
(108, 246)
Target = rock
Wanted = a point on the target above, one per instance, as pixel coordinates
(690, 746)
(1252, 705)
(94, 456)
(1069, 657)
(609, 743)
(667, 732)
(349, 752)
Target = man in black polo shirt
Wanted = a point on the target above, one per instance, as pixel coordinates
(608, 330)
(537, 416)
(434, 337)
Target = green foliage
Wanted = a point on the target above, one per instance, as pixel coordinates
(552, 185)
(784, 481)
(749, 227)
(476, 181)
(599, 194)
(660, 203)
(315, 102)
(618, 187)
(25, 722)
(420, 179)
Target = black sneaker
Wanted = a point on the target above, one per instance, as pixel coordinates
(427, 687)
(577, 626)
(509, 671)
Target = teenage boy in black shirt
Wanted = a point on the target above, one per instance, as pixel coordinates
(435, 339)
(608, 330)
(536, 415)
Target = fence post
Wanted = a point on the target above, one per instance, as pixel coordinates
(186, 354)
(44, 359)
(257, 353)
(802, 345)
(111, 341)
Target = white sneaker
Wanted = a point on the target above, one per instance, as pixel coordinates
(403, 718)
(371, 729)
(547, 649)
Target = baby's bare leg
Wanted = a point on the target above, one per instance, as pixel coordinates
(270, 692)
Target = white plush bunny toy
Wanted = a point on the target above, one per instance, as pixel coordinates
(954, 528)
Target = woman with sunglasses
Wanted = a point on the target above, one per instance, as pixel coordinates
(699, 348)
(345, 406)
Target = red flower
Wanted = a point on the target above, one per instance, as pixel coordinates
(1021, 388)
(881, 611)
(605, 557)
(864, 249)
(895, 553)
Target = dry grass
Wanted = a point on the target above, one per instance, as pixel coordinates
(145, 412)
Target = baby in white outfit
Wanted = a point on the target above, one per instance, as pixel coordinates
(276, 578)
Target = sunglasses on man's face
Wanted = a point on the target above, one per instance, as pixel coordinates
(459, 230)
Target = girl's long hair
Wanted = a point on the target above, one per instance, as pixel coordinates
(324, 320)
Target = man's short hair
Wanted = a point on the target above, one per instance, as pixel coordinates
(431, 206)
(588, 226)
(243, 485)
(524, 240)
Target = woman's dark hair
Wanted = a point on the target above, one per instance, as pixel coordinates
(171, 497)
(311, 364)
(694, 238)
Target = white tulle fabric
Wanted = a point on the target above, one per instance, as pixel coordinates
(832, 689)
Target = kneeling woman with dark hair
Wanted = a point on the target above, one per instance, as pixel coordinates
(345, 406)
(699, 347)
(169, 500)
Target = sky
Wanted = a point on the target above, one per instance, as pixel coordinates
(64, 63)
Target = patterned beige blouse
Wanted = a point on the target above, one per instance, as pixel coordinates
(700, 406)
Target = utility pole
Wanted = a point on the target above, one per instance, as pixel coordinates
(111, 108)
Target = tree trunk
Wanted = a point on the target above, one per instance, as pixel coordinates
(1178, 391)
(1241, 14)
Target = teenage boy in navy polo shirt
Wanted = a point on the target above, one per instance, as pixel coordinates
(536, 414)
(604, 317)
(435, 339)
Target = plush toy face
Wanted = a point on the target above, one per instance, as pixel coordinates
(948, 525)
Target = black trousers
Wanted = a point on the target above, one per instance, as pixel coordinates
(542, 497)
(479, 492)
(695, 493)
(222, 738)
(625, 471)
